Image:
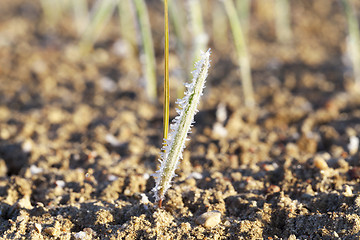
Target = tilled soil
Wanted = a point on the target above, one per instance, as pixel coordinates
(79, 141)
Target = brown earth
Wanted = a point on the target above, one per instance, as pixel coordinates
(79, 140)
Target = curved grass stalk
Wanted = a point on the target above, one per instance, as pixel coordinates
(177, 19)
(242, 52)
(219, 27)
(147, 42)
(282, 21)
(54, 10)
(354, 40)
(100, 15)
(128, 24)
(81, 15)
(197, 28)
(175, 143)
(243, 8)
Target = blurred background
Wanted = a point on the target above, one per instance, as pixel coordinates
(120, 42)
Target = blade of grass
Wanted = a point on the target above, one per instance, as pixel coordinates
(175, 143)
(147, 43)
(197, 29)
(219, 28)
(101, 13)
(354, 39)
(242, 52)
(127, 21)
(81, 15)
(176, 14)
(282, 21)
(243, 8)
(53, 11)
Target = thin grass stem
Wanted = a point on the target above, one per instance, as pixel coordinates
(197, 29)
(243, 8)
(81, 15)
(101, 13)
(354, 40)
(149, 64)
(283, 21)
(128, 24)
(242, 52)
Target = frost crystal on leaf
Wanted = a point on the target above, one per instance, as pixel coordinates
(175, 143)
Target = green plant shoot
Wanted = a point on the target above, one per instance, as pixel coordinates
(282, 21)
(242, 52)
(354, 40)
(101, 13)
(175, 143)
(149, 64)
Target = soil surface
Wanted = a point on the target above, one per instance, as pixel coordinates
(79, 140)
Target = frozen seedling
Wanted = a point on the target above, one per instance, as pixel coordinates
(174, 144)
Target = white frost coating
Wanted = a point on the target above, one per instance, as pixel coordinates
(175, 143)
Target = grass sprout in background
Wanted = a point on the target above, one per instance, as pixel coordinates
(148, 58)
(283, 21)
(101, 13)
(178, 23)
(127, 21)
(243, 8)
(242, 52)
(81, 15)
(219, 27)
(54, 10)
(177, 18)
(196, 25)
(353, 40)
(175, 143)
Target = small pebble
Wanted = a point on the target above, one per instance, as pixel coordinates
(292, 237)
(38, 227)
(195, 175)
(320, 163)
(112, 178)
(353, 145)
(347, 191)
(219, 130)
(52, 231)
(209, 219)
(80, 235)
(273, 189)
(35, 170)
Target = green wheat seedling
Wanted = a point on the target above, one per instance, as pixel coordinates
(53, 10)
(81, 15)
(354, 40)
(101, 13)
(243, 8)
(174, 145)
(242, 51)
(149, 64)
(200, 38)
(219, 27)
(178, 22)
(282, 21)
(127, 21)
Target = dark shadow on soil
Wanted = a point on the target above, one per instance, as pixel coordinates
(14, 157)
